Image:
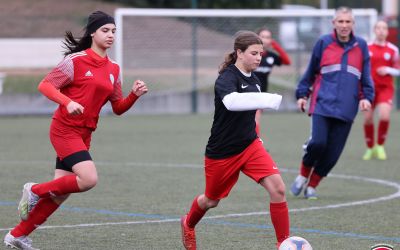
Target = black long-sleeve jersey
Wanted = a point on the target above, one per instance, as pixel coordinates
(268, 61)
(232, 131)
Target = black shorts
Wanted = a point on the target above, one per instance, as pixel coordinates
(68, 162)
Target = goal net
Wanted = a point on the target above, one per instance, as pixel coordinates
(178, 51)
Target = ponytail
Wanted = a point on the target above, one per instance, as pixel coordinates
(229, 59)
(73, 45)
(243, 39)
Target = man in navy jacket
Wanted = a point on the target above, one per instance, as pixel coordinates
(336, 84)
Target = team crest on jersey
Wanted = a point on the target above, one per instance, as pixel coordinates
(386, 56)
(112, 78)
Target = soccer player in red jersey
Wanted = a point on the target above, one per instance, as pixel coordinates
(233, 145)
(81, 84)
(273, 55)
(384, 65)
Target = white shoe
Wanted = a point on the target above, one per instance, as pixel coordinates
(310, 193)
(23, 242)
(27, 202)
(298, 185)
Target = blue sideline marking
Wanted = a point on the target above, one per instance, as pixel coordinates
(302, 230)
(221, 222)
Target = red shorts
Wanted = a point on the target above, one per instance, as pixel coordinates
(383, 95)
(67, 140)
(222, 174)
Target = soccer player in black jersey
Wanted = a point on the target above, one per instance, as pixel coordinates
(273, 55)
(234, 146)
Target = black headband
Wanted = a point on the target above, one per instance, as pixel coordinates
(98, 19)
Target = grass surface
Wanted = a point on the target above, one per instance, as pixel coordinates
(150, 169)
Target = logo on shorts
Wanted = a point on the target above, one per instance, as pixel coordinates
(382, 247)
(274, 167)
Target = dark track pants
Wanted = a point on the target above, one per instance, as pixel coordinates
(328, 137)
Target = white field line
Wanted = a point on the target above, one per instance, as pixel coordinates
(332, 206)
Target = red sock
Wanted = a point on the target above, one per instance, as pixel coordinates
(382, 131)
(314, 180)
(305, 170)
(39, 214)
(369, 135)
(60, 186)
(195, 214)
(280, 220)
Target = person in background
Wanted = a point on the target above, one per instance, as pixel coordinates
(81, 84)
(337, 83)
(384, 65)
(273, 55)
(233, 145)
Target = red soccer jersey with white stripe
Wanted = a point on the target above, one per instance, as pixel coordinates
(386, 55)
(89, 80)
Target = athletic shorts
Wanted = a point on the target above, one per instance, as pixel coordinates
(383, 95)
(222, 174)
(68, 140)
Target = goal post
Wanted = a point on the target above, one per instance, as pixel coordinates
(181, 49)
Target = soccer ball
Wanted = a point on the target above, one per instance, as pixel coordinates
(295, 243)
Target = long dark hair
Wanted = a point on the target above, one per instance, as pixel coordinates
(95, 21)
(73, 45)
(243, 40)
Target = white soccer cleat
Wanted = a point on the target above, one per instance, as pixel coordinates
(23, 242)
(298, 185)
(310, 193)
(27, 202)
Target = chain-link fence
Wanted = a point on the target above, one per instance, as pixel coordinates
(181, 53)
(178, 52)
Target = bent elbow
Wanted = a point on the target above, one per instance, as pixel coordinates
(119, 113)
(40, 87)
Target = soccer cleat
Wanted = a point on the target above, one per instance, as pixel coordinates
(298, 185)
(188, 235)
(380, 152)
(368, 154)
(310, 193)
(27, 202)
(23, 242)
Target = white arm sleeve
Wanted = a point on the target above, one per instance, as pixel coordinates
(392, 71)
(251, 101)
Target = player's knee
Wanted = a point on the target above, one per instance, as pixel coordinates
(88, 182)
(92, 181)
(208, 203)
(279, 192)
(212, 203)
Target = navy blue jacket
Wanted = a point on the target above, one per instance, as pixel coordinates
(337, 77)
